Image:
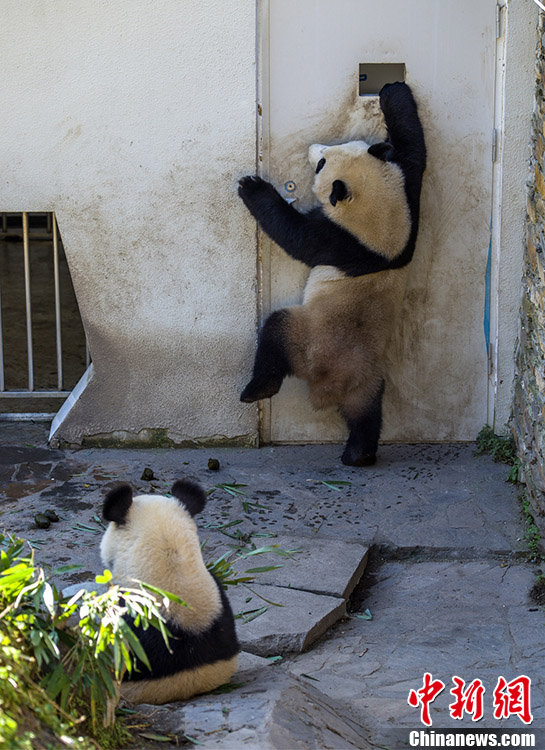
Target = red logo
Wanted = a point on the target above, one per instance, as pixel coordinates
(513, 699)
(468, 700)
(426, 695)
(510, 698)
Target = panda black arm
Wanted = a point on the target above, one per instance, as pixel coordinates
(283, 223)
(311, 238)
(405, 131)
(406, 138)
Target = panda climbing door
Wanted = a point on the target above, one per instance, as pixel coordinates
(313, 56)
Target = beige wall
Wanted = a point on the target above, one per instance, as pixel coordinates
(132, 121)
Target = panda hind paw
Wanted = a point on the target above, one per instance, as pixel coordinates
(256, 390)
(350, 459)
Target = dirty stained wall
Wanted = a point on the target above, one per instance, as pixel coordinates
(133, 121)
(471, 69)
(436, 386)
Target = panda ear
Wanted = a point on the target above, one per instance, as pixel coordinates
(117, 503)
(339, 192)
(383, 151)
(190, 494)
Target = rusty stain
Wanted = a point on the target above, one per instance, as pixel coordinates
(17, 490)
(72, 134)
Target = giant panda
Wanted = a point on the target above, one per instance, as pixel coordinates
(153, 538)
(358, 242)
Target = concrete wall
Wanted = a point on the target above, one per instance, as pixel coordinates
(132, 121)
(529, 406)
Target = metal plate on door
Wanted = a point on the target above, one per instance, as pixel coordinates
(373, 76)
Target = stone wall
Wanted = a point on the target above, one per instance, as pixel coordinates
(528, 421)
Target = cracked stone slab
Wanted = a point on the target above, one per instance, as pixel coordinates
(471, 619)
(248, 664)
(292, 627)
(268, 713)
(321, 566)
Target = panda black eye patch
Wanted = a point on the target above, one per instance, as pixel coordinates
(320, 165)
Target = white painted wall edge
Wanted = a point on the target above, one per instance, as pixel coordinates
(71, 401)
(518, 99)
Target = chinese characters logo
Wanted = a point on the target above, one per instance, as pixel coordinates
(509, 698)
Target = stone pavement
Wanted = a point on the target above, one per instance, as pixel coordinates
(445, 589)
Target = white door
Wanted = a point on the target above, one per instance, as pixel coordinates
(310, 56)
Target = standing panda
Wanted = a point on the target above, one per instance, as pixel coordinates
(154, 539)
(358, 243)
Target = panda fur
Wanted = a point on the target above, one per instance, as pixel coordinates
(358, 242)
(153, 538)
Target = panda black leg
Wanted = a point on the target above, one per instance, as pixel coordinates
(362, 444)
(271, 364)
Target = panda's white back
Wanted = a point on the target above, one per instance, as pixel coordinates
(159, 544)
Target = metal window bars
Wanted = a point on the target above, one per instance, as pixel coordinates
(31, 392)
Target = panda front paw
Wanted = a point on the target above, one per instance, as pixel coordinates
(395, 88)
(396, 94)
(249, 184)
(256, 193)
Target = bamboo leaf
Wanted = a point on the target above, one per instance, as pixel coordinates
(65, 569)
(135, 645)
(274, 604)
(231, 488)
(259, 551)
(253, 614)
(55, 681)
(106, 678)
(73, 599)
(84, 527)
(48, 598)
(264, 569)
(192, 740)
(365, 615)
(229, 687)
(164, 594)
(335, 484)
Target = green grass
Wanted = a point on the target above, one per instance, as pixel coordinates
(501, 448)
(62, 660)
(532, 535)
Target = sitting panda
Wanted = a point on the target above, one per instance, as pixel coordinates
(154, 539)
(358, 243)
